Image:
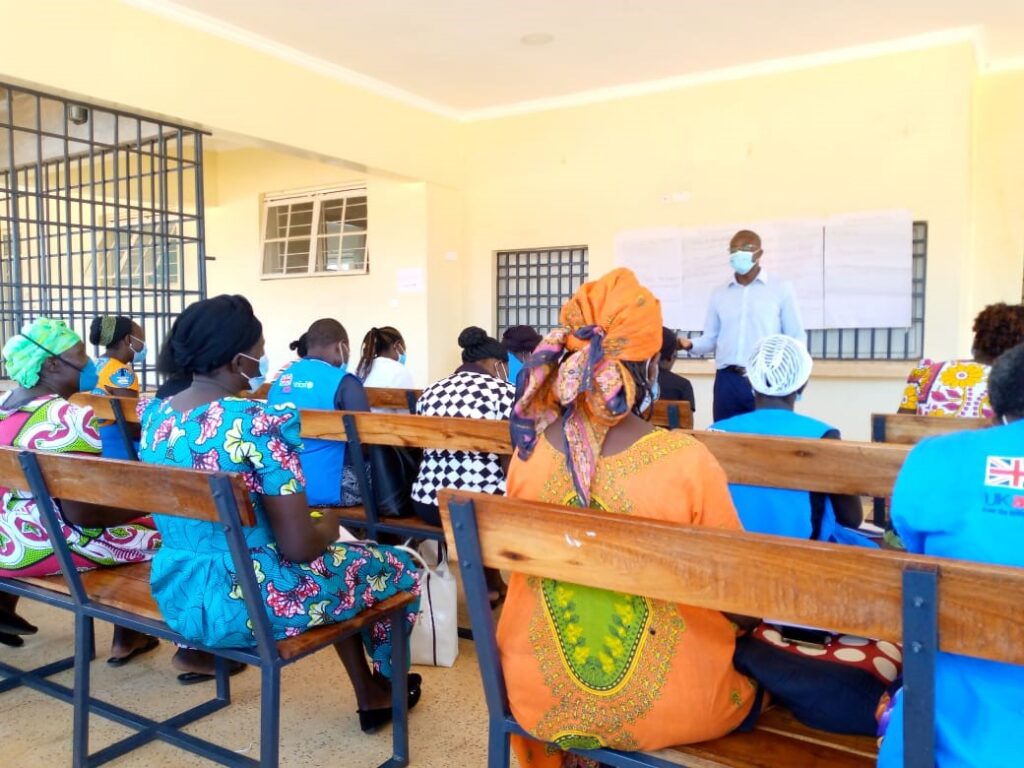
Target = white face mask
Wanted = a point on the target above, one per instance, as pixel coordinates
(255, 382)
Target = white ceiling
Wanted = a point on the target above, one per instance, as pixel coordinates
(466, 56)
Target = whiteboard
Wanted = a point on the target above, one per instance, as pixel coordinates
(869, 270)
(849, 271)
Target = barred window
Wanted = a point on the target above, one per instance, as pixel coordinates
(534, 284)
(320, 233)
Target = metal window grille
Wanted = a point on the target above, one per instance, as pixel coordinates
(878, 343)
(322, 233)
(534, 284)
(101, 212)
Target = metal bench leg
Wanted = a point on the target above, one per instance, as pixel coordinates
(498, 746)
(84, 650)
(270, 715)
(399, 691)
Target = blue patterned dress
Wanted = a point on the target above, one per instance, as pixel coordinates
(193, 577)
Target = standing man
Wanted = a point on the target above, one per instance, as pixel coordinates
(742, 313)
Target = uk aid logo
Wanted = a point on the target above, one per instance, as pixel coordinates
(1005, 476)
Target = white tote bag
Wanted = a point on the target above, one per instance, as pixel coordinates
(435, 637)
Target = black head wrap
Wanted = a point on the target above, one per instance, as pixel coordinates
(477, 345)
(208, 334)
(107, 330)
(521, 338)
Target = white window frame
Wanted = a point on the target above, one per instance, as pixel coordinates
(317, 197)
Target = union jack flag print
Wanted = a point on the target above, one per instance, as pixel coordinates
(1005, 472)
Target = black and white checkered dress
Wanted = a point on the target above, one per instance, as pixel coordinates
(465, 395)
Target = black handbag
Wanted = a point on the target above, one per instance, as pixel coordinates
(393, 471)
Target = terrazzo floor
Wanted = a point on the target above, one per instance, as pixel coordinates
(319, 726)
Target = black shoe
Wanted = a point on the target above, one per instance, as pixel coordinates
(371, 720)
(12, 624)
(14, 641)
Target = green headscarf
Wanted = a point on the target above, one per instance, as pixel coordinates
(24, 354)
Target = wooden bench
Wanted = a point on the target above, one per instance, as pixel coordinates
(828, 466)
(871, 593)
(909, 429)
(121, 595)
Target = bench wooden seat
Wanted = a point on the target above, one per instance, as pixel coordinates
(126, 587)
(778, 741)
(871, 593)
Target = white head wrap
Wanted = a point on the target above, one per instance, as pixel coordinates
(779, 366)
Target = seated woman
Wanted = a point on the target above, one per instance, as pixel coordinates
(318, 381)
(307, 578)
(478, 389)
(959, 388)
(124, 343)
(519, 341)
(778, 371)
(48, 361)
(828, 681)
(949, 502)
(382, 360)
(672, 385)
(580, 442)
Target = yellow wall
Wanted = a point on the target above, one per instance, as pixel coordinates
(890, 132)
(998, 188)
(397, 239)
(109, 51)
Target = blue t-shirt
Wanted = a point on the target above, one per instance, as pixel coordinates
(311, 384)
(962, 496)
(778, 511)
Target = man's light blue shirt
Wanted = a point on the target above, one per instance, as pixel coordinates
(739, 316)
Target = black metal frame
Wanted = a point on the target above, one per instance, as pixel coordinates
(920, 638)
(538, 275)
(374, 524)
(264, 656)
(101, 212)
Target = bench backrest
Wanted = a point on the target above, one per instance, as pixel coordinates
(833, 466)
(909, 429)
(828, 466)
(854, 590)
(134, 486)
(673, 414)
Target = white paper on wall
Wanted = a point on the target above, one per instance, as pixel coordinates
(869, 270)
(655, 257)
(794, 251)
(705, 270)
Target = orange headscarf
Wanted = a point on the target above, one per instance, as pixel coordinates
(577, 371)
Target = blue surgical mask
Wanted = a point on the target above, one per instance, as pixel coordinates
(652, 396)
(139, 355)
(741, 262)
(255, 382)
(401, 358)
(515, 365)
(88, 378)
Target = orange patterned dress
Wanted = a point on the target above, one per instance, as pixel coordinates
(589, 668)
